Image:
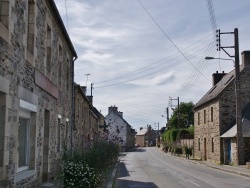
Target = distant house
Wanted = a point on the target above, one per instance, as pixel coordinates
(88, 120)
(146, 137)
(119, 130)
(214, 126)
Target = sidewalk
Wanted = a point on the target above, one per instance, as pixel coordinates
(240, 170)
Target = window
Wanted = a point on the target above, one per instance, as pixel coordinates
(205, 113)
(2, 125)
(59, 133)
(78, 108)
(4, 12)
(67, 134)
(212, 145)
(31, 26)
(48, 57)
(24, 142)
(199, 144)
(60, 67)
(26, 134)
(212, 114)
(198, 118)
(82, 112)
(67, 75)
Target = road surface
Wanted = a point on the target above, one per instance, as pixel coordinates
(152, 168)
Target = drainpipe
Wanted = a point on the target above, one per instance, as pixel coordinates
(72, 103)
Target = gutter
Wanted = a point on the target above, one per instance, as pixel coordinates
(72, 103)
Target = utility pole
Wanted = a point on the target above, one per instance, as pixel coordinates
(238, 116)
(178, 107)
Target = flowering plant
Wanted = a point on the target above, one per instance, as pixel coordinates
(78, 175)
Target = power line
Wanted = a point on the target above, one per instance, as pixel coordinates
(151, 66)
(170, 39)
(66, 8)
(158, 70)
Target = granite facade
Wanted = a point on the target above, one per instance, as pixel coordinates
(215, 117)
(30, 38)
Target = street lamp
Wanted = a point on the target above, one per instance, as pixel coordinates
(238, 117)
(211, 58)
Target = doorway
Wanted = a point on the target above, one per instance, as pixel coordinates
(45, 174)
(205, 149)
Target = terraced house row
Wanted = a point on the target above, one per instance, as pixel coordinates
(38, 117)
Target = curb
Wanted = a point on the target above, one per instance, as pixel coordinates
(113, 175)
(230, 171)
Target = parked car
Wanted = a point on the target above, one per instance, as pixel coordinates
(137, 145)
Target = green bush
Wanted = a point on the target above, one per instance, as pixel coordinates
(78, 175)
(178, 151)
(88, 168)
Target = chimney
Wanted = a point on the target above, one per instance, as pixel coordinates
(217, 77)
(113, 109)
(84, 88)
(90, 99)
(120, 114)
(245, 56)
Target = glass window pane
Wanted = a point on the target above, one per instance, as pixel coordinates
(23, 142)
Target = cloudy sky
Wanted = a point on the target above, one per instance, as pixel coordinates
(141, 52)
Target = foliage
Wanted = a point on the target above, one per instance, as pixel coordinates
(191, 130)
(173, 135)
(184, 117)
(178, 151)
(88, 168)
(79, 174)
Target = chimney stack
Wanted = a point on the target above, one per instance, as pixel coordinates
(84, 89)
(245, 56)
(217, 77)
(113, 109)
(120, 114)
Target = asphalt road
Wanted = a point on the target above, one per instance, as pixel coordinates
(151, 168)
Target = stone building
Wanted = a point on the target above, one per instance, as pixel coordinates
(36, 78)
(146, 137)
(119, 130)
(215, 116)
(89, 122)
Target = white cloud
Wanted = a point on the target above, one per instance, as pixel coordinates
(118, 41)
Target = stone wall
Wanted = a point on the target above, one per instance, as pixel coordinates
(29, 88)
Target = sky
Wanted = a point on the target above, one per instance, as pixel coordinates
(141, 52)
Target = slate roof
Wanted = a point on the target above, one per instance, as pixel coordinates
(142, 132)
(216, 90)
(61, 25)
(245, 125)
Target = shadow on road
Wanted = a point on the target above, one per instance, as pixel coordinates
(123, 183)
(137, 150)
(134, 184)
(122, 170)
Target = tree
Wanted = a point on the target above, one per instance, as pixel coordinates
(182, 118)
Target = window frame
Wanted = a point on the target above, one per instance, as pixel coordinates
(26, 115)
